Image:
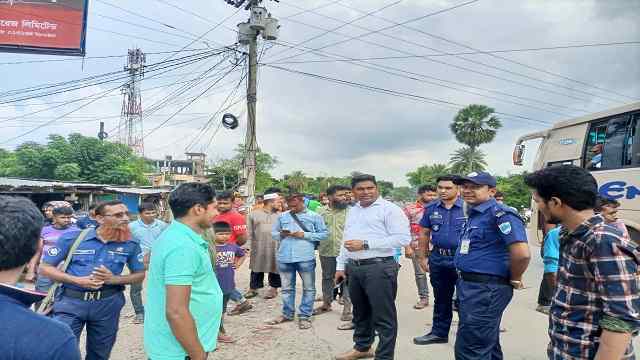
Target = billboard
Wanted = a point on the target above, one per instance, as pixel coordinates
(43, 26)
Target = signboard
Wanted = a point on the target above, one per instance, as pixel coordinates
(43, 26)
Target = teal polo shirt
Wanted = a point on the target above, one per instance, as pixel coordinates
(180, 256)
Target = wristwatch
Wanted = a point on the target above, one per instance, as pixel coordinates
(365, 245)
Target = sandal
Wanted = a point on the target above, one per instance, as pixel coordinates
(346, 317)
(321, 310)
(241, 308)
(346, 326)
(271, 294)
(250, 294)
(225, 339)
(279, 320)
(304, 324)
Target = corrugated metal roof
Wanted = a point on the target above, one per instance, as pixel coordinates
(15, 183)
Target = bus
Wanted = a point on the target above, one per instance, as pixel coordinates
(606, 143)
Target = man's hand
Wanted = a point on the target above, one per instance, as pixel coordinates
(284, 233)
(354, 245)
(424, 264)
(339, 276)
(89, 282)
(298, 234)
(103, 274)
(415, 245)
(408, 252)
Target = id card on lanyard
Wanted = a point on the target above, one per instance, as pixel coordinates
(465, 241)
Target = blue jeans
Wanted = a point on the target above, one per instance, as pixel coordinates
(307, 271)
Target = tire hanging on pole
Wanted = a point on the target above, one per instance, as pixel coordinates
(229, 121)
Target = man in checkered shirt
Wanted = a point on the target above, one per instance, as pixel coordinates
(596, 306)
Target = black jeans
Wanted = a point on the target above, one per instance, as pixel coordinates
(373, 290)
(545, 295)
(257, 280)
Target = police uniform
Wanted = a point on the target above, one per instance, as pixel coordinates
(99, 309)
(446, 226)
(483, 263)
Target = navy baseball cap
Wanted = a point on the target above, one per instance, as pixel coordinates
(480, 178)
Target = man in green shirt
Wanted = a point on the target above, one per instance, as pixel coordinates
(184, 300)
(334, 217)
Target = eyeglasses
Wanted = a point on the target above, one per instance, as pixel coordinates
(119, 215)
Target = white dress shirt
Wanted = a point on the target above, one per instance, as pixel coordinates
(382, 224)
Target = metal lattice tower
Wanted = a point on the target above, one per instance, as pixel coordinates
(130, 127)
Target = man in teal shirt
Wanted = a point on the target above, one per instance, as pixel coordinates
(184, 300)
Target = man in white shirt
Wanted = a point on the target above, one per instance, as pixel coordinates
(373, 229)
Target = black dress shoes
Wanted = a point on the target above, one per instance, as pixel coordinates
(430, 339)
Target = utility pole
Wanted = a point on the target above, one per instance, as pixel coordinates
(259, 23)
(130, 127)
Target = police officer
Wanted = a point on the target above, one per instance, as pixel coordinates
(491, 257)
(441, 224)
(92, 285)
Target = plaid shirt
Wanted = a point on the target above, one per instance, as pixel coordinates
(598, 288)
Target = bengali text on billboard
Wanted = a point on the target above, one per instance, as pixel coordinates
(43, 26)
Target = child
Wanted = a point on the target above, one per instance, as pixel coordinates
(229, 257)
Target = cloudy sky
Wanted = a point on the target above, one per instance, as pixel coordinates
(325, 128)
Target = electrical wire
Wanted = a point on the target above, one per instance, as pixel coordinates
(442, 38)
(377, 44)
(411, 76)
(559, 47)
(397, 93)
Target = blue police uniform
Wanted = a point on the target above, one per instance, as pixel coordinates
(99, 309)
(484, 290)
(446, 226)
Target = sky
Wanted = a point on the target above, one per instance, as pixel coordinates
(326, 128)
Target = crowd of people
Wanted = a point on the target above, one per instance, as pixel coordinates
(459, 235)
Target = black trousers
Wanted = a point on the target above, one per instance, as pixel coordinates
(545, 295)
(257, 280)
(373, 290)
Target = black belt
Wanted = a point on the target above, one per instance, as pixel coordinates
(91, 295)
(484, 278)
(444, 251)
(370, 261)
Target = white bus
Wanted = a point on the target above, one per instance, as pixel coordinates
(617, 169)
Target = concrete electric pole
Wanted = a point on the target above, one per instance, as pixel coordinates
(130, 127)
(259, 23)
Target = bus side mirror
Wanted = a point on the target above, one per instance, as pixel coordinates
(518, 155)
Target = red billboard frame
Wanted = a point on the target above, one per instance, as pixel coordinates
(55, 27)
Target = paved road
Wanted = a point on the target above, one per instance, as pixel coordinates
(526, 336)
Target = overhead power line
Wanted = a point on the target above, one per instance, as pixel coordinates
(559, 47)
(377, 44)
(411, 75)
(442, 38)
(397, 93)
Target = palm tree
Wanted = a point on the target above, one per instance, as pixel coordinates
(473, 126)
(297, 181)
(466, 160)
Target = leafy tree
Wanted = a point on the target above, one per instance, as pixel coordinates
(296, 181)
(466, 160)
(8, 163)
(516, 192)
(226, 173)
(385, 188)
(403, 193)
(67, 172)
(76, 158)
(473, 126)
(427, 174)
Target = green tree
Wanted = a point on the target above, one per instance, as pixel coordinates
(296, 181)
(427, 174)
(94, 161)
(473, 126)
(67, 172)
(516, 193)
(8, 163)
(385, 188)
(466, 160)
(403, 193)
(226, 173)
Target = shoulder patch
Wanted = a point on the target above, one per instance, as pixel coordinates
(505, 228)
(53, 251)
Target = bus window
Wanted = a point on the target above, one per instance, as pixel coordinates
(614, 143)
(595, 140)
(632, 145)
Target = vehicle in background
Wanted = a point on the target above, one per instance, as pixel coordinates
(608, 144)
